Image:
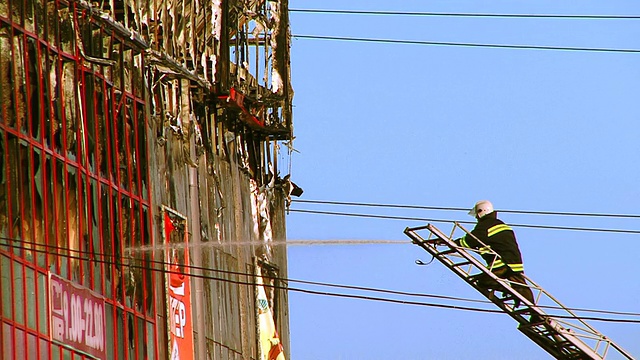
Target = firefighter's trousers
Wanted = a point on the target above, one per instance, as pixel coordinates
(486, 282)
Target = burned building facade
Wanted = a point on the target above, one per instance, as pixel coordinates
(144, 148)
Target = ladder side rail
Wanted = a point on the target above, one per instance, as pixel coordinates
(581, 329)
(462, 251)
(415, 229)
(535, 289)
(589, 331)
(474, 267)
(561, 306)
(491, 252)
(465, 252)
(576, 340)
(601, 344)
(622, 351)
(504, 282)
(578, 329)
(482, 268)
(535, 286)
(589, 328)
(431, 248)
(572, 334)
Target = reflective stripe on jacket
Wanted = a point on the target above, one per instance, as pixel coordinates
(497, 236)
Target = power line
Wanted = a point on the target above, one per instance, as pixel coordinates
(406, 218)
(447, 208)
(455, 298)
(444, 14)
(288, 288)
(442, 43)
(314, 292)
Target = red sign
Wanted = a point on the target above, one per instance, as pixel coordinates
(77, 317)
(179, 295)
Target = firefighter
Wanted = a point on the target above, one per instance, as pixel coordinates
(500, 238)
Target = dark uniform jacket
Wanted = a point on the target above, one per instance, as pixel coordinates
(498, 237)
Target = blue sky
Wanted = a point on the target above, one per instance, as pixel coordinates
(446, 126)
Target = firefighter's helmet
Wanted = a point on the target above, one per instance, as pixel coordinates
(481, 208)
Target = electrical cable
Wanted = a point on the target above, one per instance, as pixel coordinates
(447, 208)
(462, 44)
(192, 267)
(484, 15)
(287, 288)
(406, 218)
(403, 293)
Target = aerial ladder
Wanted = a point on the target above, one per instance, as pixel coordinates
(558, 330)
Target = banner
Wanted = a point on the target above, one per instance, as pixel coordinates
(76, 316)
(271, 348)
(179, 291)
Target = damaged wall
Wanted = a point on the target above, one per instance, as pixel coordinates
(111, 110)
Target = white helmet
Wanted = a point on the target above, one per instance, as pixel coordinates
(481, 208)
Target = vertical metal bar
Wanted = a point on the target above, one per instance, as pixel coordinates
(153, 5)
(51, 68)
(35, 247)
(127, 237)
(114, 208)
(139, 216)
(82, 159)
(196, 239)
(54, 187)
(101, 255)
(22, 156)
(65, 210)
(266, 146)
(24, 300)
(27, 84)
(112, 266)
(152, 240)
(136, 148)
(4, 154)
(110, 134)
(41, 97)
(65, 182)
(257, 58)
(43, 162)
(17, 206)
(133, 313)
(126, 133)
(8, 187)
(97, 81)
(12, 295)
(13, 325)
(122, 277)
(106, 266)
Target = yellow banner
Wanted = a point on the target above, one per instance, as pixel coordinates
(271, 348)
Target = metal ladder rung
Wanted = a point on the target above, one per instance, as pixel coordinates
(461, 263)
(474, 277)
(525, 311)
(546, 332)
(447, 252)
(509, 297)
